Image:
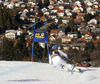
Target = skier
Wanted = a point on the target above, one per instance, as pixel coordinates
(56, 60)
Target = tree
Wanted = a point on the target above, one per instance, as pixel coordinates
(6, 18)
(8, 50)
(46, 2)
(89, 16)
(37, 52)
(40, 4)
(67, 29)
(90, 46)
(21, 50)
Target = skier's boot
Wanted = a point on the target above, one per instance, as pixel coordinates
(77, 70)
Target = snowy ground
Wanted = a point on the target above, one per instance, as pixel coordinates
(42, 73)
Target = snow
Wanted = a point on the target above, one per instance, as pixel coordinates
(19, 72)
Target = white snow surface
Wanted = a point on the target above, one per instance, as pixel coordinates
(19, 72)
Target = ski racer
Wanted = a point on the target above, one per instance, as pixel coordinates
(56, 60)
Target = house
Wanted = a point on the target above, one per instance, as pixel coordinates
(56, 20)
(19, 32)
(93, 20)
(23, 5)
(91, 26)
(17, 4)
(53, 1)
(81, 40)
(60, 2)
(90, 10)
(95, 2)
(60, 34)
(89, 3)
(11, 34)
(30, 2)
(44, 10)
(47, 13)
(11, 6)
(67, 11)
(65, 21)
(31, 19)
(61, 7)
(77, 20)
(72, 34)
(54, 32)
(77, 9)
(50, 7)
(1, 1)
(14, 1)
(96, 30)
(52, 15)
(66, 39)
(88, 36)
(96, 6)
(98, 37)
(81, 16)
(25, 10)
(77, 3)
(69, 14)
(5, 3)
(64, 47)
(30, 33)
(23, 14)
(52, 38)
(79, 46)
(60, 13)
(53, 10)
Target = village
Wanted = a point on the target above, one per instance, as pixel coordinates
(71, 24)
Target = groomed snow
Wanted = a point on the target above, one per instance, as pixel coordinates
(14, 72)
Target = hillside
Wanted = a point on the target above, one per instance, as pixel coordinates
(15, 72)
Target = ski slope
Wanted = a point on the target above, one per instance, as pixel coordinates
(17, 72)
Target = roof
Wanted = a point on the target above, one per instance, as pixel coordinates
(67, 37)
(90, 34)
(60, 11)
(77, 20)
(82, 39)
(54, 31)
(96, 41)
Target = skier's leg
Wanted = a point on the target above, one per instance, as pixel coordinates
(63, 67)
(76, 69)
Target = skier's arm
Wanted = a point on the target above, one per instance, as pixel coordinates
(63, 54)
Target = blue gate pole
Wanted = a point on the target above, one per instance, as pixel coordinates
(33, 41)
(46, 41)
(32, 52)
(48, 51)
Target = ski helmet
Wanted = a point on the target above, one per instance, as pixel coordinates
(54, 47)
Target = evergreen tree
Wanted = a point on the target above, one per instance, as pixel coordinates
(6, 18)
(90, 46)
(20, 48)
(8, 50)
(46, 2)
(37, 52)
(40, 4)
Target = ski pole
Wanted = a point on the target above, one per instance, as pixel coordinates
(80, 65)
(84, 66)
